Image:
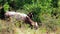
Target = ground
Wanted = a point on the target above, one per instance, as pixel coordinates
(7, 27)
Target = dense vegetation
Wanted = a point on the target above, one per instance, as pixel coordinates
(45, 12)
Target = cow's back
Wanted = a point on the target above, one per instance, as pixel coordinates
(9, 13)
(20, 16)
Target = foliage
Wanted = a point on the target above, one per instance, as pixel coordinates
(6, 6)
(38, 7)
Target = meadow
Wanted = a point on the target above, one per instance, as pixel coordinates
(10, 27)
(45, 12)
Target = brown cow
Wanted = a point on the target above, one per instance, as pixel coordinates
(21, 16)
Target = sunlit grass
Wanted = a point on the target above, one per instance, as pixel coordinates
(6, 26)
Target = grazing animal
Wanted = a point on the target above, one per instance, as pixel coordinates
(21, 16)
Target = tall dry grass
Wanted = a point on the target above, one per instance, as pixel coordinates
(11, 27)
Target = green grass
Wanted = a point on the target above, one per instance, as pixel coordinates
(24, 29)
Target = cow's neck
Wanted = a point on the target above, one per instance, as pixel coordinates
(30, 21)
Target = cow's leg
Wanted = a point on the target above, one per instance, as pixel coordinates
(8, 18)
(11, 19)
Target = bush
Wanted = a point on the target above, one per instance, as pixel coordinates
(6, 6)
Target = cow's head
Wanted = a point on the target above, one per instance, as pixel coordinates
(31, 22)
(35, 25)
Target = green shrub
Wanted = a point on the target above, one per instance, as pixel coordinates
(6, 6)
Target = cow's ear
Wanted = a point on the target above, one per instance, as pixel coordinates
(30, 13)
